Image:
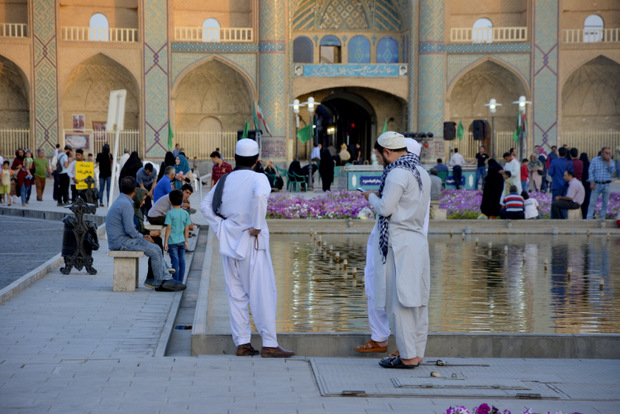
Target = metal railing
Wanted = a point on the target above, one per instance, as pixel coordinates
(202, 144)
(11, 140)
(221, 34)
(591, 35)
(468, 146)
(96, 34)
(129, 138)
(488, 35)
(590, 142)
(13, 30)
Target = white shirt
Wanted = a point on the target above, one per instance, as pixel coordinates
(71, 171)
(531, 208)
(244, 204)
(515, 173)
(316, 153)
(457, 159)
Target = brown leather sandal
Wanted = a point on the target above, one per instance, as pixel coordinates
(370, 347)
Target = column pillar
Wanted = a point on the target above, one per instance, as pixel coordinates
(45, 76)
(273, 76)
(432, 62)
(545, 73)
(155, 64)
(412, 67)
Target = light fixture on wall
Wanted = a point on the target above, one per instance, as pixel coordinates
(492, 109)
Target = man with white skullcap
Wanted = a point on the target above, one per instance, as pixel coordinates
(236, 209)
(401, 258)
(377, 318)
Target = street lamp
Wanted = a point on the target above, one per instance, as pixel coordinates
(311, 109)
(296, 112)
(522, 109)
(492, 108)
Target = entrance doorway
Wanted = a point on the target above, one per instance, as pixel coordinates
(345, 118)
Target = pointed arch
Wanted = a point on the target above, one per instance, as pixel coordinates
(590, 96)
(87, 91)
(231, 64)
(14, 95)
(481, 61)
(213, 88)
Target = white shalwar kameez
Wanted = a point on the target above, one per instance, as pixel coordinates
(377, 318)
(246, 259)
(402, 284)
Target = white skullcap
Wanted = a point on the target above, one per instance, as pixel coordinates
(246, 148)
(392, 140)
(413, 146)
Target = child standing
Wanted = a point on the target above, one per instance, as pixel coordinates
(507, 183)
(5, 183)
(525, 175)
(177, 232)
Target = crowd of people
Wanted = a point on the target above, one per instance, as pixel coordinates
(573, 180)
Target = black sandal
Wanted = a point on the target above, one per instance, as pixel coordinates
(395, 362)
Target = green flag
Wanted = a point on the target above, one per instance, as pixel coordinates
(518, 128)
(254, 117)
(385, 125)
(460, 131)
(170, 137)
(304, 133)
(246, 129)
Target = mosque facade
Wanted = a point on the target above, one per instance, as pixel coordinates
(199, 69)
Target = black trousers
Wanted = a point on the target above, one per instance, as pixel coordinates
(63, 195)
(558, 205)
(457, 173)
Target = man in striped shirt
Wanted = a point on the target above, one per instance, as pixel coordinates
(512, 205)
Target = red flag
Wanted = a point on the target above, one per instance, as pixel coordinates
(259, 114)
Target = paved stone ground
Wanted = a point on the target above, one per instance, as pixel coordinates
(26, 244)
(70, 344)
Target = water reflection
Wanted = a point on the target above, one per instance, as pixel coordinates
(482, 283)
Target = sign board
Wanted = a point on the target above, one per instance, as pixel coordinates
(116, 110)
(77, 140)
(83, 169)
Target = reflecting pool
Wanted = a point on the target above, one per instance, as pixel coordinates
(480, 283)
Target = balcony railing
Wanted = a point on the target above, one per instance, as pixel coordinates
(591, 36)
(222, 34)
(13, 30)
(96, 34)
(490, 35)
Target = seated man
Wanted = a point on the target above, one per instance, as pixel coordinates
(164, 186)
(513, 205)
(572, 200)
(122, 235)
(157, 213)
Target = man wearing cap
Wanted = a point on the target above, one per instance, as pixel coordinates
(401, 259)
(236, 209)
(377, 318)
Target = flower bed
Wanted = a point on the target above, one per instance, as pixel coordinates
(461, 204)
(485, 409)
(332, 205)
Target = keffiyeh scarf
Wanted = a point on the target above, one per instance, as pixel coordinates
(409, 162)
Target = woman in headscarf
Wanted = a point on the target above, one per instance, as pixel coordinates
(326, 169)
(584, 180)
(138, 219)
(169, 161)
(23, 183)
(535, 169)
(493, 189)
(181, 166)
(131, 167)
(104, 161)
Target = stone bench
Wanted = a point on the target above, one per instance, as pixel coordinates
(574, 214)
(126, 269)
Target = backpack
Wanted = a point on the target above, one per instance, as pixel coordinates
(59, 164)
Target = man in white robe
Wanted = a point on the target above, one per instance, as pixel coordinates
(514, 167)
(377, 318)
(402, 262)
(236, 209)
